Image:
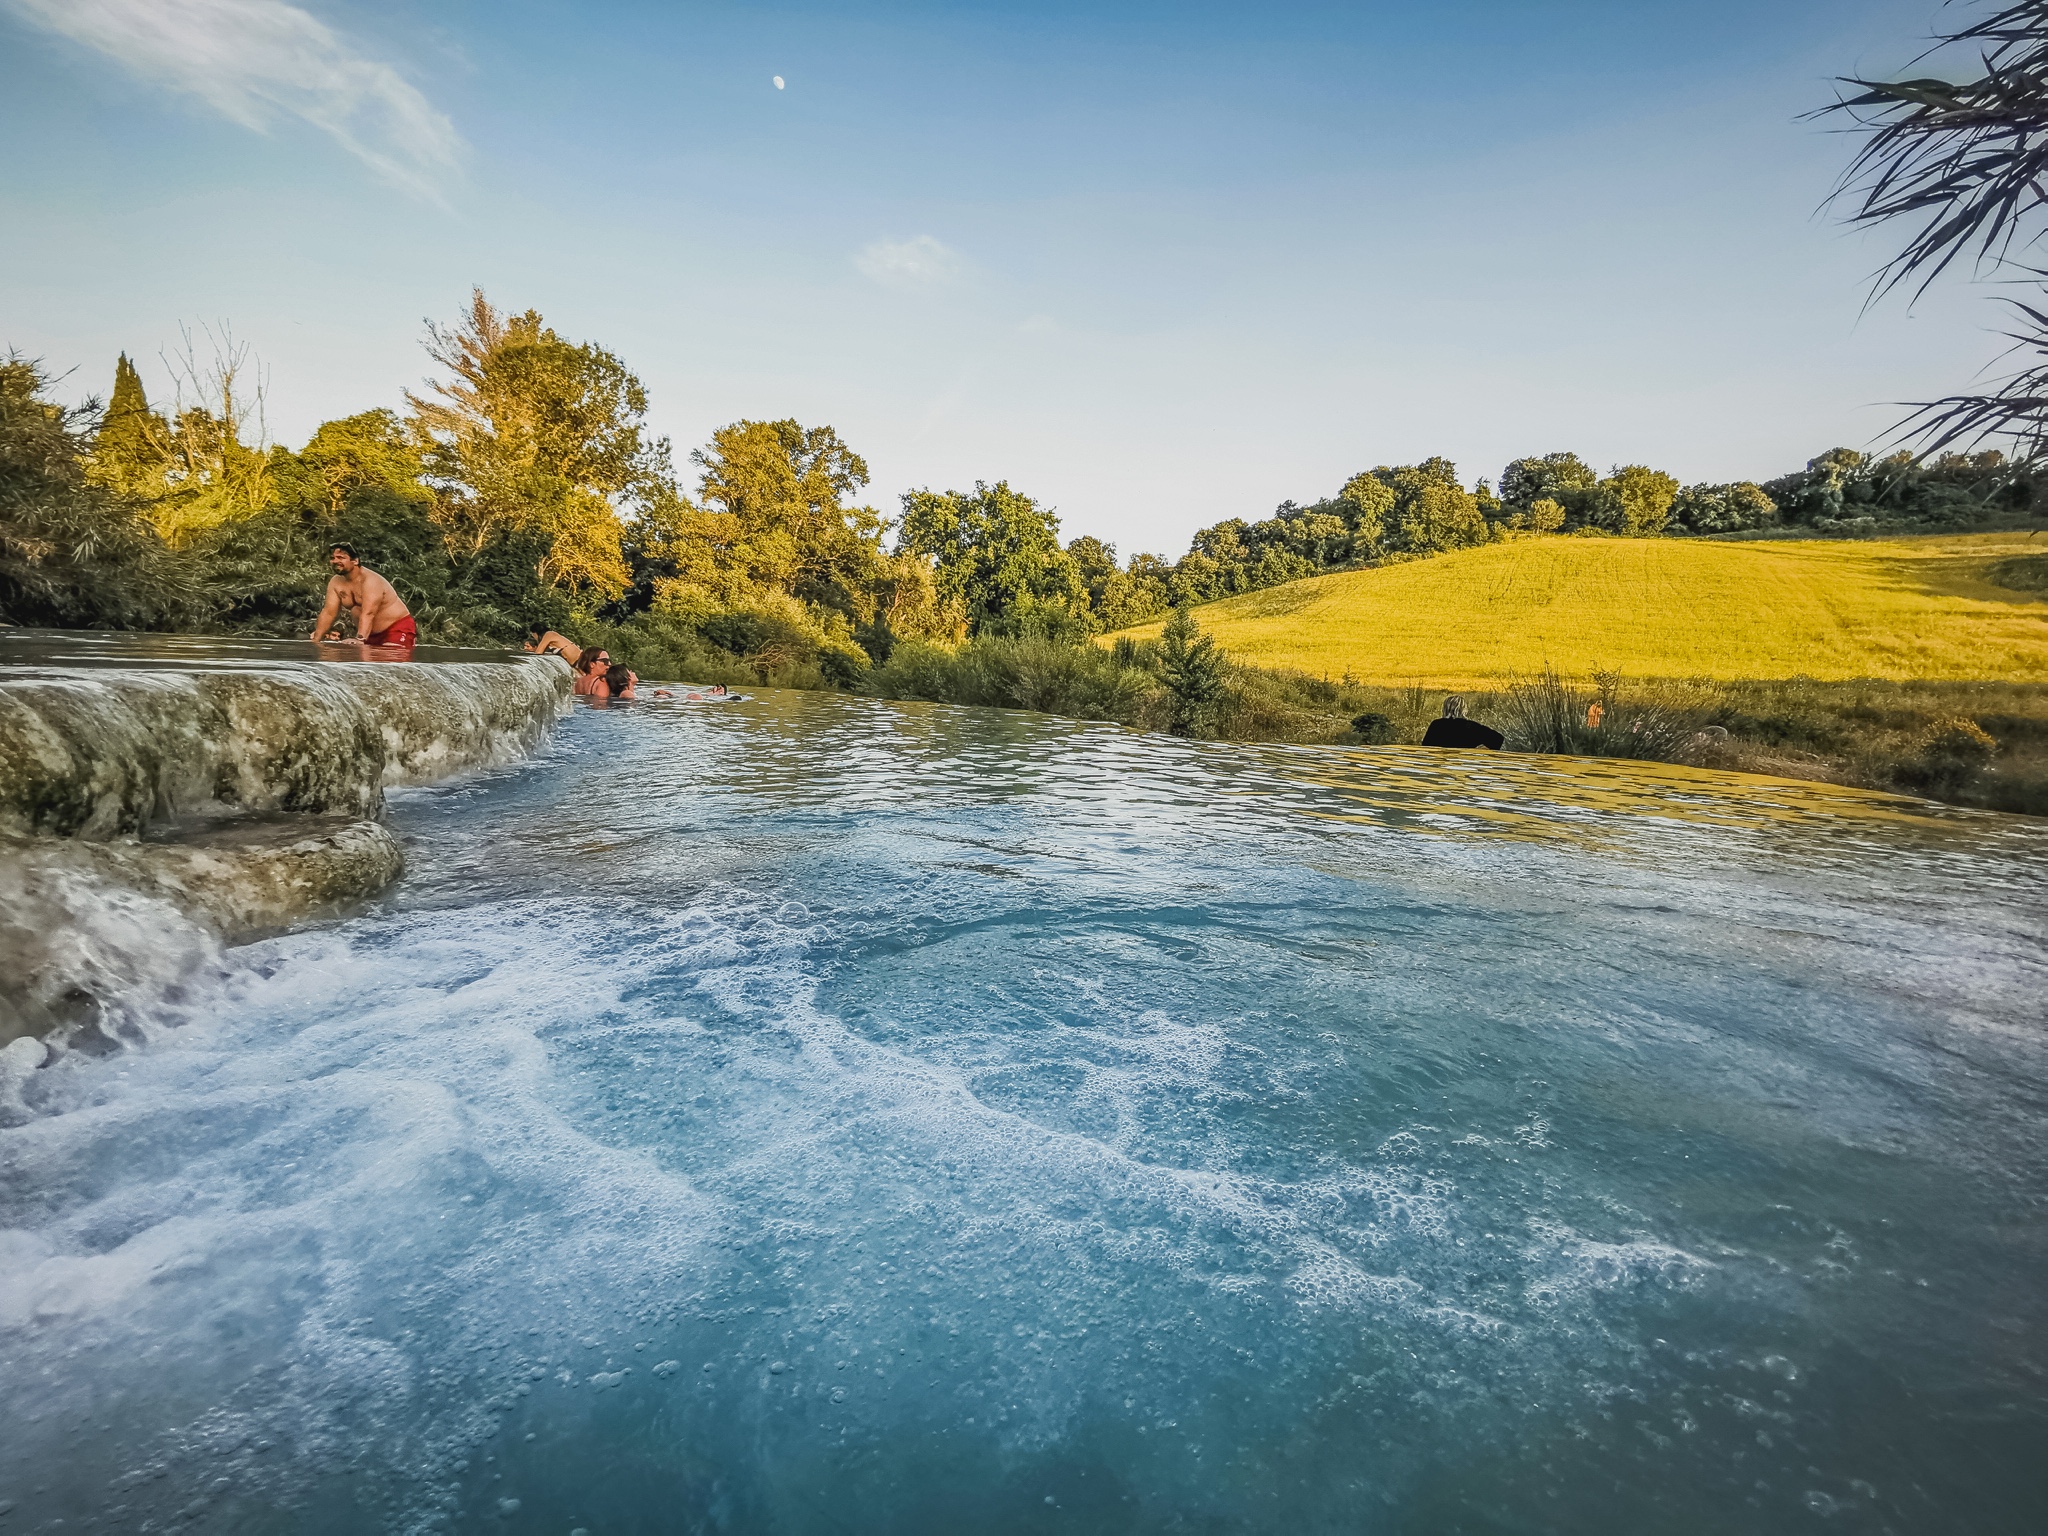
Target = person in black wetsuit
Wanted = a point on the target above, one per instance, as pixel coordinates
(1454, 730)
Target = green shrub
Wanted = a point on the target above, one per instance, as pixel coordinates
(1655, 719)
(1952, 754)
(916, 669)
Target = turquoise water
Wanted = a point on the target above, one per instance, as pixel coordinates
(821, 1115)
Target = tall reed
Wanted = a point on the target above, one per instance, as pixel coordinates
(1656, 719)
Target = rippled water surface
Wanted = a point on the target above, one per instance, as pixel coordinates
(818, 1115)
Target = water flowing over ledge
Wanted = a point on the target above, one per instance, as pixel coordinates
(99, 754)
(155, 804)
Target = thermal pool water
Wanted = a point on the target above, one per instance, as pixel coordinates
(825, 1115)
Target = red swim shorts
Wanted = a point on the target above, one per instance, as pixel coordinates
(402, 632)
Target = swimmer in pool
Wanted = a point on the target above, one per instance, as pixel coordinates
(380, 613)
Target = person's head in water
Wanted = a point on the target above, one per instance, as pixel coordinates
(1454, 707)
(618, 678)
(595, 661)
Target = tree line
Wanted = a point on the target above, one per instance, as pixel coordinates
(522, 488)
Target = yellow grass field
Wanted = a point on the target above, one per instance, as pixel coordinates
(1829, 609)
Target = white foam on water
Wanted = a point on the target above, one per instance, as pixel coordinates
(312, 1160)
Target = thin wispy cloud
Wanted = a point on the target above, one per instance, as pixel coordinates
(256, 61)
(914, 263)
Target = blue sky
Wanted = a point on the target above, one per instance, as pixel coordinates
(1154, 264)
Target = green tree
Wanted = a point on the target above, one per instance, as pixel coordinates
(1644, 496)
(1319, 535)
(1491, 507)
(776, 565)
(370, 451)
(1097, 563)
(73, 552)
(1553, 476)
(1826, 490)
(1136, 593)
(1196, 578)
(1432, 513)
(784, 489)
(211, 466)
(131, 450)
(536, 441)
(998, 553)
(1368, 504)
(1193, 669)
(1723, 508)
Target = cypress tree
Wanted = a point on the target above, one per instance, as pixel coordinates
(128, 449)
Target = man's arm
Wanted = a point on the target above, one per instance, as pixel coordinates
(328, 610)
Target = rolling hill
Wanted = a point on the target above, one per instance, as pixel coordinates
(1827, 609)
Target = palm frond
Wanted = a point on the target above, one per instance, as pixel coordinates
(1968, 160)
(2014, 413)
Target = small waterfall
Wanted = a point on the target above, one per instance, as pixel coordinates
(101, 754)
(149, 816)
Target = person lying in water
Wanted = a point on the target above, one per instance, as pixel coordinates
(622, 682)
(1454, 730)
(380, 613)
(545, 642)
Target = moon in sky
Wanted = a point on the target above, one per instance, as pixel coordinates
(778, 82)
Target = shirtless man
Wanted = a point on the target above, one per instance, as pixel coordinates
(381, 615)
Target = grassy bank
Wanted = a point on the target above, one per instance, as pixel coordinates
(1972, 743)
(1917, 665)
(1946, 607)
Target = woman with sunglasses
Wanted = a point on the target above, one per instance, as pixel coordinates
(591, 667)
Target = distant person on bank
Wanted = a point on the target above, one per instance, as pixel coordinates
(380, 613)
(1454, 730)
